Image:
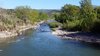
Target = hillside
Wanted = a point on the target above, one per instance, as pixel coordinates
(49, 11)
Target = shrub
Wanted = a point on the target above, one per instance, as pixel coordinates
(54, 24)
(72, 25)
(96, 27)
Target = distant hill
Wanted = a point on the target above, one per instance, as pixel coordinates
(49, 11)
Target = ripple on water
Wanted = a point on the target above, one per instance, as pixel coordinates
(1, 50)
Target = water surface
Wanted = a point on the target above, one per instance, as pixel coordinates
(37, 43)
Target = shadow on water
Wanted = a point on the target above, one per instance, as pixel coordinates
(92, 45)
(86, 34)
(27, 33)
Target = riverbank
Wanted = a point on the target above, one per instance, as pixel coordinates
(17, 31)
(78, 36)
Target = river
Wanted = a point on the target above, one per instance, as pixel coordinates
(38, 43)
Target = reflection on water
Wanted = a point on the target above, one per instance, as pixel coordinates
(37, 43)
(24, 35)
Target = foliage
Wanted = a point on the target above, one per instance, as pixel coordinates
(84, 18)
(43, 16)
(54, 24)
(72, 25)
(88, 15)
(97, 9)
(22, 12)
(69, 17)
(68, 13)
(33, 16)
(21, 15)
(27, 14)
(96, 27)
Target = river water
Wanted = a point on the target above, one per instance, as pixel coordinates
(37, 43)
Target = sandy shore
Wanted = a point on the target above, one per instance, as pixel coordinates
(78, 36)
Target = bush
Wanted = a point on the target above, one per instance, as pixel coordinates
(96, 27)
(54, 24)
(53, 29)
(72, 25)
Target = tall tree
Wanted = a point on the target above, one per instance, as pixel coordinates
(68, 13)
(22, 12)
(97, 9)
(88, 15)
(71, 11)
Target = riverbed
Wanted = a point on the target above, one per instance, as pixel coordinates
(43, 43)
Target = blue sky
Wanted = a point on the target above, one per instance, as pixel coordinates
(41, 4)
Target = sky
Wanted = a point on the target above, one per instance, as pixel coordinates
(41, 4)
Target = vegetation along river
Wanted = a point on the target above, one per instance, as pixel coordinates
(41, 42)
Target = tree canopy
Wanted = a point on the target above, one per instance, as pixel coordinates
(81, 18)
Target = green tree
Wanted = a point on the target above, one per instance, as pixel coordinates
(43, 16)
(96, 27)
(68, 13)
(88, 15)
(97, 9)
(27, 14)
(69, 16)
(33, 16)
(22, 12)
